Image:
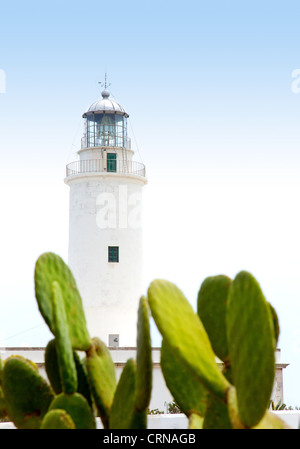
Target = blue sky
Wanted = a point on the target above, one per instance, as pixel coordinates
(212, 115)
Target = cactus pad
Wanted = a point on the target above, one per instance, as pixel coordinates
(57, 419)
(66, 363)
(52, 367)
(27, 394)
(52, 370)
(195, 421)
(183, 330)
(251, 346)
(77, 407)
(143, 358)
(102, 377)
(275, 324)
(3, 413)
(187, 391)
(123, 407)
(50, 267)
(211, 307)
(83, 382)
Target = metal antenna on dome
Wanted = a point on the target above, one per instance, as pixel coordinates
(105, 85)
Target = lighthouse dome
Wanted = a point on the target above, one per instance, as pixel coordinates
(105, 105)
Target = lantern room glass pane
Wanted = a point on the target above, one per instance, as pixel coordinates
(106, 130)
(90, 131)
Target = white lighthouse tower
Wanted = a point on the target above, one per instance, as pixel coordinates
(105, 229)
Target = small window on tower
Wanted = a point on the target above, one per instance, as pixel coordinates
(113, 254)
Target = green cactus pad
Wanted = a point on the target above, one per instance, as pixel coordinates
(57, 419)
(216, 415)
(123, 407)
(233, 411)
(52, 367)
(251, 343)
(52, 370)
(195, 421)
(77, 407)
(2, 400)
(143, 358)
(1, 368)
(3, 413)
(275, 323)
(211, 308)
(83, 382)
(183, 330)
(66, 363)
(102, 377)
(50, 267)
(187, 391)
(27, 394)
(139, 419)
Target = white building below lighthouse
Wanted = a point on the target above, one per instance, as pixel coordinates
(105, 228)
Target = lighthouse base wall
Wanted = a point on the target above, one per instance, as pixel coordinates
(114, 326)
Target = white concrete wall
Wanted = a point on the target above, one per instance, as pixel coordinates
(180, 421)
(98, 153)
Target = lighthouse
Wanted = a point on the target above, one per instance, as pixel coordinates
(105, 223)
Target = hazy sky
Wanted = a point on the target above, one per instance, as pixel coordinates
(214, 115)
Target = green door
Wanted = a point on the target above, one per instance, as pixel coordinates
(111, 162)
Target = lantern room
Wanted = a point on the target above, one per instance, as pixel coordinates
(105, 124)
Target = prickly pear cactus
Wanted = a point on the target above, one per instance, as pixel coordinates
(191, 396)
(53, 372)
(102, 378)
(3, 413)
(52, 366)
(27, 394)
(83, 386)
(57, 419)
(123, 406)
(235, 324)
(143, 365)
(77, 408)
(211, 308)
(51, 268)
(66, 363)
(184, 332)
(133, 393)
(275, 323)
(251, 341)
(216, 413)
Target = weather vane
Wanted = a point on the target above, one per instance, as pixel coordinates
(105, 85)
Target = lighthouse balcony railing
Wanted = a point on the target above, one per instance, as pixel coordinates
(105, 166)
